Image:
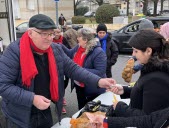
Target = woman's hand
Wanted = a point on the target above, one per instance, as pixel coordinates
(117, 89)
(96, 119)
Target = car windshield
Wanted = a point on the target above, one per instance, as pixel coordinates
(23, 25)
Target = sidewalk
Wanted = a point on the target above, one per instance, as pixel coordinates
(110, 27)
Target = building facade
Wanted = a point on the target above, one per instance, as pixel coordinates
(24, 9)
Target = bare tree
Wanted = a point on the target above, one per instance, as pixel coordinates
(76, 3)
(99, 2)
(162, 2)
(145, 5)
(155, 7)
(127, 1)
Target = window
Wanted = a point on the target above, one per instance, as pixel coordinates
(133, 28)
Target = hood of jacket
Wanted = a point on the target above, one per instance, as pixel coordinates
(155, 65)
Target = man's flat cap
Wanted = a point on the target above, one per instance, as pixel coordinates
(41, 21)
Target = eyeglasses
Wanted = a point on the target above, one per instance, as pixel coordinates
(45, 35)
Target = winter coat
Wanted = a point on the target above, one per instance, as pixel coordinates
(62, 20)
(112, 54)
(94, 62)
(150, 92)
(158, 119)
(17, 100)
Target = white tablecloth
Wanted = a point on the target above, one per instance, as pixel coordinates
(105, 98)
(65, 123)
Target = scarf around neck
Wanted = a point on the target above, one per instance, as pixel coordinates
(79, 59)
(28, 66)
(60, 40)
(103, 42)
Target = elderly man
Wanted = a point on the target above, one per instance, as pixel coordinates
(32, 75)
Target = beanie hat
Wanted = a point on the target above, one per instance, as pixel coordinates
(146, 24)
(41, 21)
(101, 27)
(164, 30)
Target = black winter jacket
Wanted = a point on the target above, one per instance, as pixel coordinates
(158, 119)
(112, 54)
(150, 92)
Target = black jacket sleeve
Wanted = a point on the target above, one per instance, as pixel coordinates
(114, 52)
(123, 110)
(154, 120)
(127, 91)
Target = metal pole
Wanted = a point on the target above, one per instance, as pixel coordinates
(90, 5)
(38, 5)
(57, 19)
(11, 20)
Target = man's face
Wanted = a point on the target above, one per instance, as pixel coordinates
(42, 38)
(101, 34)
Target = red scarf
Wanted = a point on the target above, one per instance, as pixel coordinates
(60, 40)
(28, 66)
(79, 59)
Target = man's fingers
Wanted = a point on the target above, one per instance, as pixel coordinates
(46, 100)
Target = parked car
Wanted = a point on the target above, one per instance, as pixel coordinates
(89, 14)
(21, 28)
(122, 36)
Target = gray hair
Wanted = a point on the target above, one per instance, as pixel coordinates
(86, 34)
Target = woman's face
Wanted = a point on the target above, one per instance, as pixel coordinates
(81, 41)
(142, 57)
(58, 34)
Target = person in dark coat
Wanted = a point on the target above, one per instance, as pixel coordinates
(89, 55)
(150, 93)
(149, 106)
(144, 25)
(109, 47)
(62, 21)
(32, 73)
(157, 119)
(62, 40)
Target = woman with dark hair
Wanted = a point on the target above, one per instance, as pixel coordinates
(150, 92)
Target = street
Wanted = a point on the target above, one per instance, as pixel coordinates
(71, 97)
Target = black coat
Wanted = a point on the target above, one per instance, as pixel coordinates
(158, 119)
(112, 54)
(150, 92)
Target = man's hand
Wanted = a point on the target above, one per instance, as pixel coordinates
(106, 83)
(41, 102)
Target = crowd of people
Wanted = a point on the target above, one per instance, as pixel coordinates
(35, 71)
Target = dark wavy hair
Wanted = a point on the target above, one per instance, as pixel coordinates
(149, 38)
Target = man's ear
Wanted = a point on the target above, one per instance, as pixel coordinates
(149, 51)
(30, 33)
